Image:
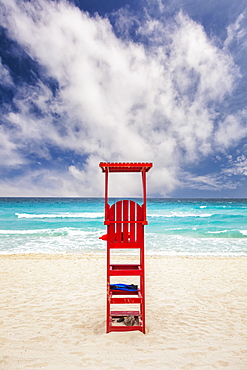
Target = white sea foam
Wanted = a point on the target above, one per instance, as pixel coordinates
(183, 246)
(62, 215)
(243, 232)
(70, 240)
(180, 214)
(52, 232)
(218, 232)
(61, 240)
(174, 228)
(27, 232)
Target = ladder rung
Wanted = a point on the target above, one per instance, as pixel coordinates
(125, 300)
(126, 328)
(123, 245)
(122, 270)
(126, 292)
(125, 266)
(125, 313)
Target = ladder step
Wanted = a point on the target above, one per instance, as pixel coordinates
(126, 328)
(125, 313)
(124, 270)
(125, 300)
(125, 292)
(122, 245)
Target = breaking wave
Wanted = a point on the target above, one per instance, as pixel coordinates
(61, 215)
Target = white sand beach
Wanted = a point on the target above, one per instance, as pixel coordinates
(52, 314)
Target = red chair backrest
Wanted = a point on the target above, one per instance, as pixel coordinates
(125, 226)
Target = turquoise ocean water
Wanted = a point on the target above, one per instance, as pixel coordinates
(73, 225)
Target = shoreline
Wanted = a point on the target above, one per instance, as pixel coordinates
(52, 314)
(78, 255)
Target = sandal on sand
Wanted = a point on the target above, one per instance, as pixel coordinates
(130, 320)
(121, 319)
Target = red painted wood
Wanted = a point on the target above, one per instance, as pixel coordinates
(125, 300)
(125, 167)
(119, 225)
(125, 328)
(111, 227)
(139, 227)
(125, 221)
(124, 313)
(123, 292)
(122, 245)
(132, 218)
(125, 267)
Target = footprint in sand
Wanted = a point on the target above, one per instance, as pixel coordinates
(222, 363)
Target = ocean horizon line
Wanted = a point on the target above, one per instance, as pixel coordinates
(120, 197)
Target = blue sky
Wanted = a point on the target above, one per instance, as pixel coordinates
(150, 80)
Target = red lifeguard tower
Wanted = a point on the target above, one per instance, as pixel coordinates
(125, 222)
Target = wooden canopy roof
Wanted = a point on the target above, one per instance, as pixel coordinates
(125, 167)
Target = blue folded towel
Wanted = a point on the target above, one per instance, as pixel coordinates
(130, 288)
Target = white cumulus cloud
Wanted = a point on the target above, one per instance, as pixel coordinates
(118, 100)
